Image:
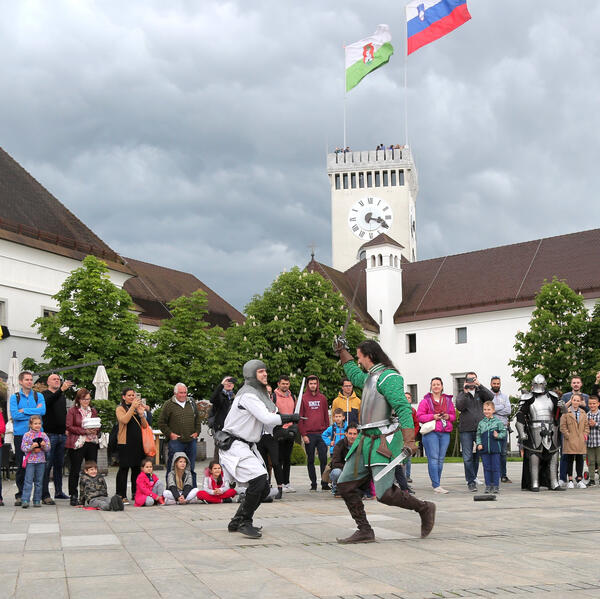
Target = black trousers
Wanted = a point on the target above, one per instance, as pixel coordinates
(89, 451)
(122, 480)
(268, 447)
(315, 441)
(578, 459)
(285, 459)
(20, 474)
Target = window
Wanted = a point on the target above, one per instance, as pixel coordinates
(411, 343)
(380, 316)
(459, 383)
(337, 182)
(412, 389)
(395, 261)
(393, 178)
(385, 178)
(2, 312)
(373, 262)
(353, 180)
(361, 180)
(379, 260)
(369, 179)
(47, 312)
(345, 179)
(377, 179)
(400, 177)
(461, 335)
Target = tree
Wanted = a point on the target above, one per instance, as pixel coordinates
(592, 341)
(188, 351)
(95, 321)
(555, 344)
(291, 327)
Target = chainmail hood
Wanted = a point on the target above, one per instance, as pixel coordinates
(253, 385)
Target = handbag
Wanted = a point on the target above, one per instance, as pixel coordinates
(147, 440)
(427, 427)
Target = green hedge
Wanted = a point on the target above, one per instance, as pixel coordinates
(298, 457)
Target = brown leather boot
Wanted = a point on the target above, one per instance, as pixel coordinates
(353, 500)
(426, 509)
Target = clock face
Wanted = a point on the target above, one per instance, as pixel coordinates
(369, 217)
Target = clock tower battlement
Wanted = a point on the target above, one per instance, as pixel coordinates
(372, 192)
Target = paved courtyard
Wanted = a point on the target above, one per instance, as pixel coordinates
(523, 545)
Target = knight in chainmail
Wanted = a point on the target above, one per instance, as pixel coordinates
(537, 429)
(252, 413)
(386, 425)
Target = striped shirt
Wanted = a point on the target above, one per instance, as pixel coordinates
(594, 436)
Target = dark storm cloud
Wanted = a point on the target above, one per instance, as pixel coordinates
(193, 135)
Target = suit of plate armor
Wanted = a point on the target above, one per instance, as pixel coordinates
(537, 428)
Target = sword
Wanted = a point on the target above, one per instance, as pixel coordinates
(402, 457)
(297, 408)
(341, 339)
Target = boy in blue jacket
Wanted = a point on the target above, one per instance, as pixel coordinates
(490, 432)
(337, 431)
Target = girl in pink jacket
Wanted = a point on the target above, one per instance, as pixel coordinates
(149, 490)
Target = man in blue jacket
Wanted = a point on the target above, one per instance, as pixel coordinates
(24, 404)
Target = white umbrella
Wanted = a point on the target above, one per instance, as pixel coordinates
(12, 382)
(101, 382)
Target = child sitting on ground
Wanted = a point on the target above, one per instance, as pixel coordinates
(34, 445)
(593, 442)
(490, 431)
(148, 489)
(336, 432)
(575, 428)
(93, 491)
(180, 488)
(215, 489)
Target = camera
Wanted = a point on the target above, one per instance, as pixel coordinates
(470, 379)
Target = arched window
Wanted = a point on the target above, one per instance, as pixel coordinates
(396, 261)
(372, 261)
(380, 260)
(391, 259)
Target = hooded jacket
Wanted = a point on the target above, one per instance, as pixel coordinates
(316, 411)
(187, 480)
(350, 405)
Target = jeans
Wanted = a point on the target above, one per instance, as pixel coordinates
(20, 474)
(34, 475)
(503, 448)
(315, 441)
(54, 461)
(400, 475)
(470, 458)
(436, 445)
(408, 467)
(491, 469)
(333, 477)
(189, 448)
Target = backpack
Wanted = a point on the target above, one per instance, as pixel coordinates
(112, 438)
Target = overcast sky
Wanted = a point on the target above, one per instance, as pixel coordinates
(193, 134)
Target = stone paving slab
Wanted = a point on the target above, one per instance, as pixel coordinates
(522, 545)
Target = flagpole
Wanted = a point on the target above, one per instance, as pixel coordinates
(406, 85)
(344, 81)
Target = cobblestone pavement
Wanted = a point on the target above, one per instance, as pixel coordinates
(523, 545)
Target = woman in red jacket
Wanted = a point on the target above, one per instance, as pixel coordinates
(81, 441)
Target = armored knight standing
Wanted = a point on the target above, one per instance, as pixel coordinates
(252, 413)
(537, 429)
(386, 425)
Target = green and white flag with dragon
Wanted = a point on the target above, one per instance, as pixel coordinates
(366, 55)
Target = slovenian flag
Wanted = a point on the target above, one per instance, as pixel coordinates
(366, 55)
(429, 20)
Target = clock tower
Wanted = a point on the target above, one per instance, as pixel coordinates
(372, 192)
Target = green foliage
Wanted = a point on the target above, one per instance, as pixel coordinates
(555, 343)
(95, 322)
(291, 327)
(298, 457)
(106, 411)
(187, 350)
(592, 341)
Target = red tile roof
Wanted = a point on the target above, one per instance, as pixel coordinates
(155, 286)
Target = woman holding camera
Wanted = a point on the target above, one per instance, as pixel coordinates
(436, 406)
(131, 416)
(82, 442)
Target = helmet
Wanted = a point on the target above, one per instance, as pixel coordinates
(249, 371)
(539, 384)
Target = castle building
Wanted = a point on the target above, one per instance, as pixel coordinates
(443, 316)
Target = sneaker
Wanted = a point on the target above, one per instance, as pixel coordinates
(563, 483)
(279, 493)
(24, 504)
(505, 479)
(74, 501)
(61, 496)
(1, 502)
(591, 483)
(581, 485)
(472, 486)
(325, 487)
(440, 490)
(37, 504)
(570, 485)
(228, 500)
(125, 501)
(409, 479)
(495, 490)
(488, 490)
(17, 501)
(48, 501)
(288, 488)
(313, 487)
(477, 481)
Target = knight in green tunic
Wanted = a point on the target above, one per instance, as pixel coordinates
(385, 425)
